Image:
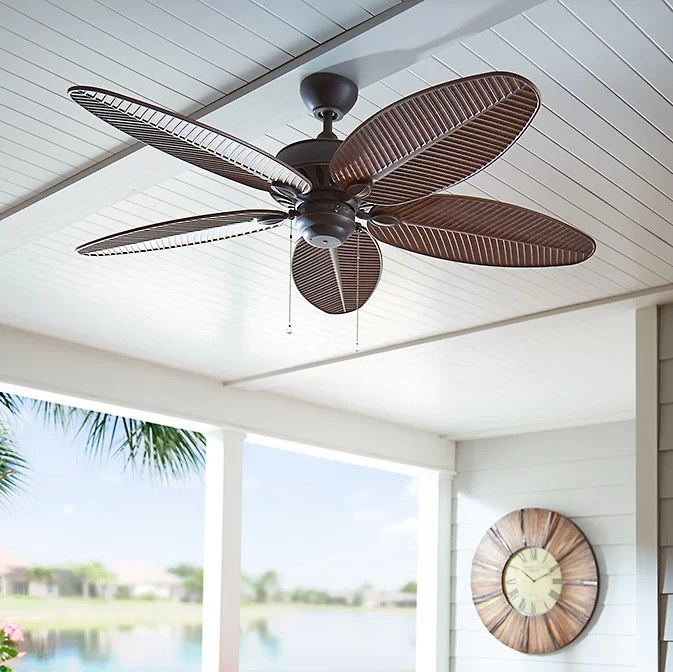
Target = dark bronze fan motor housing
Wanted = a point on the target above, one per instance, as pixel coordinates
(326, 215)
(380, 184)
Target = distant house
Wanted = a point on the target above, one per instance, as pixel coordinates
(398, 599)
(381, 598)
(345, 597)
(136, 580)
(13, 579)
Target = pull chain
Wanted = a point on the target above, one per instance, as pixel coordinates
(357, 292)
(289, 285)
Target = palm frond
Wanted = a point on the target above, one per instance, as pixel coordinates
(10, 402)
(147, 447)
(169, 453)
(53, 414)
(13, 468)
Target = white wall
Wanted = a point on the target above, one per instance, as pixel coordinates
(585, 473)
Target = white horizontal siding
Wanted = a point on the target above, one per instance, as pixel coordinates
(585, 473)
(665, 483)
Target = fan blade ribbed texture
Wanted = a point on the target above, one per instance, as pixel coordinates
(481, 231)
(189, 140)
(437, 137)
(329, 278)
(184, 232)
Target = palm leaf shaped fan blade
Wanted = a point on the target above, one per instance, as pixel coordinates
(184, 232)
(436, 137)
(380, 184)
(481, 231)
(191, 141)
(339, 280)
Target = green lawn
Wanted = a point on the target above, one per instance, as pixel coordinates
(73, 612)
(76, 613)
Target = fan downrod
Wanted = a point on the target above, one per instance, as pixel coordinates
(327, 92)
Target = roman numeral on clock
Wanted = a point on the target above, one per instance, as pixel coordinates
(554, 595)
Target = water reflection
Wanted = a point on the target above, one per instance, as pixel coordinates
(269, 642)
(92, 644)
(293, 640)
(339, 640)
(160, 648)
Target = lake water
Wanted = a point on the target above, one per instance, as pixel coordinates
(291, 641)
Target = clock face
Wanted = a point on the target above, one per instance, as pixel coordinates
(534, 580)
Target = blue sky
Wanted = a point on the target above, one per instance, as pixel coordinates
(318, 523)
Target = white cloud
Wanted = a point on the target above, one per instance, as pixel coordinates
(68, 510)
(373, 514)
(408, 526)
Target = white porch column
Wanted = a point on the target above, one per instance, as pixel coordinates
(647, 534)
(222, 551)
(433, 611)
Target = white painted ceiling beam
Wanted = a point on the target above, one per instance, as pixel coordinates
(638, 299)
(56, 370)
(387, 43)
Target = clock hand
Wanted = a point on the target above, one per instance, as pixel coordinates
(521, 569)
(542, 577)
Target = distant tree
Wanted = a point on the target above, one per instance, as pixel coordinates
(194, 585)
(41, 575)
(310, 596)
(92, 574)
(183, 570)
(298, 594)
(192, 580)
(410, 587)
(265, 586)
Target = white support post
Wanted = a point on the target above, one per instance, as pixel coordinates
(647, 504)
(433, 612)
(222, 551)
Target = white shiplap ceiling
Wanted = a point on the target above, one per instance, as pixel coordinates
(599, 155)
(181, 55)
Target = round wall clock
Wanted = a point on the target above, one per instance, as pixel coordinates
(534, 581)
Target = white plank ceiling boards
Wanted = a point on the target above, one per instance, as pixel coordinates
(599, 156)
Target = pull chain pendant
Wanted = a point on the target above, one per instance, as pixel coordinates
(357, 291)
(289, 285)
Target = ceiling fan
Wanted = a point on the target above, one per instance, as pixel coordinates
(380, 184)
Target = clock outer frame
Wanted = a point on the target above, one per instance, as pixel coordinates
(564, 622)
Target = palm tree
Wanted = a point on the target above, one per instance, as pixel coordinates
(265, 586)
(93, 573)
(166, 452)
(12, 467)
(192, 580)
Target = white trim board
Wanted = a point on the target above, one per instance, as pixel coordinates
(45, 367)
